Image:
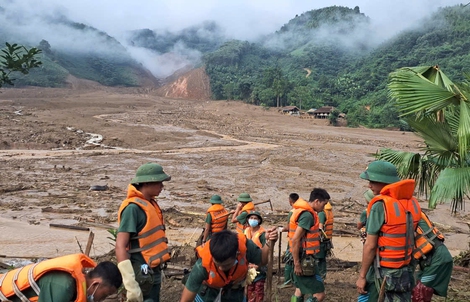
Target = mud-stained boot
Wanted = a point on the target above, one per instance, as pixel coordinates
(294, 298)
(421, 293)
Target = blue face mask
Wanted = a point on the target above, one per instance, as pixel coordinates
(253, 222)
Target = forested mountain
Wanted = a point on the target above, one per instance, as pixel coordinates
(329, 56)
(325, 57)
(79, 50)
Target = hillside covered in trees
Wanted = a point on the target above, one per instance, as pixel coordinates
(327, 57)
(330, 56)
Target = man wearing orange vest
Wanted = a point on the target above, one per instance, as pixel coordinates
(256, 233)
(304, 236)
(216, 219)
(435, 262)
(61, 279)
(392, 218)
(326, 234)
(244, 207)
(141, 243)
(287, 259)
(220, 272)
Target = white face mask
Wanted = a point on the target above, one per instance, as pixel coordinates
(91, 298)
(253, 222)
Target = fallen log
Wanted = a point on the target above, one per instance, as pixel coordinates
(70, 227)
(462, 269)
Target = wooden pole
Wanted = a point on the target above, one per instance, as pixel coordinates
(279, 257)
(89, 243)
(269, 277)
(382, 290)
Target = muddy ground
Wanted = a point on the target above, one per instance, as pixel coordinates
(51, 154)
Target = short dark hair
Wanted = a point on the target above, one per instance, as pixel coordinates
(107, 271)
(320, 194)
(223, 245)
(294, 196)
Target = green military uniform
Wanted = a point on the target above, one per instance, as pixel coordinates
(199, 274)
(436, 269)
(133, 220)
(363, 217)
(321, 256)
(54, 286)
(308, 284)
(398, 287)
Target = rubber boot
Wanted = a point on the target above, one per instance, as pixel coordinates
(421, 293)
(294, 298)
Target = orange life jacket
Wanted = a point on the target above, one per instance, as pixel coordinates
(255, 236)
(152, 239)
(425, 241)
(395, 244)
(328, 227)
(217, 279)
(311, 241)
(218, 220)
(291, 231)
(15, 281)
(246, 208)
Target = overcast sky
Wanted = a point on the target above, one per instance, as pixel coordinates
(243, 19)
(240, 19)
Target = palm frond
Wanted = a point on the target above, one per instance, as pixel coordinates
(463, 133)
(413, 165)
(440, 141)
(452, 185)
(414, 94)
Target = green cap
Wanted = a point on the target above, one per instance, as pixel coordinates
(244, 197)
(255, 213)
(216, 199)
(368, 195)
(150, 172)
(381, 171)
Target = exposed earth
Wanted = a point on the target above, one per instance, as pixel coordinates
(56, 144)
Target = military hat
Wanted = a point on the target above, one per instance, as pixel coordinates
(244, 197)
(381, 171)
(150, 172)
(216, 199)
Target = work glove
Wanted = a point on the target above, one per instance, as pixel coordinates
(134, 293)
(251, 275)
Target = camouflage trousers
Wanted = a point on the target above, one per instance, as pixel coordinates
(398, 285)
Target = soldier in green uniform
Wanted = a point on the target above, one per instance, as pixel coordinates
(287, 259)
(305, 242)
(388, 247)
(435, 263)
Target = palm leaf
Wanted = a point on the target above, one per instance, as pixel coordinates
(433, 74)
(414, 94)
(413, 165)
(451, 185)
(463, 132)
(439, 140)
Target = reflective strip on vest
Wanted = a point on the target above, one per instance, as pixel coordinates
(17, 291)
(150, 232)
(33, 283)
(426, 241)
